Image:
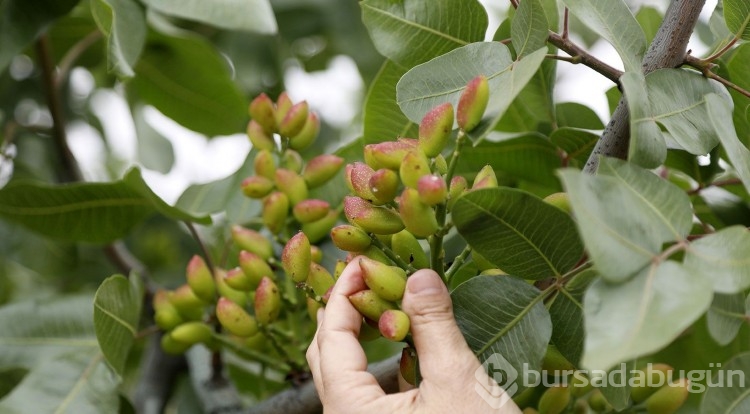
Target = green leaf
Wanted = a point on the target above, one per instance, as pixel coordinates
(576, 143)
(383, 119)
(732, 398)
(720, 115)
(444, 78)
(410, 32)
(517, 325)
(722, 258)
(247, 15)
(518, 232)
(530, 157)
(529, 28)
(93, 212)
(725, 317)
(75, 382)
(533, 109)
(737, 16)
(22, 21)
(641, 316)
(566, 313)
(33, 331)
(135, 180)
(613, 21)
(124, 25)
(214, 197)
(186, 79)
(576, 115)
(155, 151)
(117, 310)
(676, 100)
(625, 214)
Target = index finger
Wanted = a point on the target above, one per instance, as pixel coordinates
(343, 363)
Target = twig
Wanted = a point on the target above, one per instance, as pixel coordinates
(392, 255)
(457, 262)
(667, 50)
(727, 83)
(565, 24)
(579, 55)
(722, 50)
(70, 171)
(720, 183)
(201, 245)
(72, 55)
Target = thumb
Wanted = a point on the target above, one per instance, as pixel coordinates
(443, 352)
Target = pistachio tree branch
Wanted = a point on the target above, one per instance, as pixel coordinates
(579, 55)
(667, 50)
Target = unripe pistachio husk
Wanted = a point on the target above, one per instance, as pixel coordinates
(432, 190)
(456, 189)
(237, 296)
(408, 365)
(192, 333)
(350, 238)
(275, 211)
(261, 110)
(319, 229)
(235, 319)
(238, 280)
(472, 103)
(407, 247)
(306, 136)
(339, 269)
(292, 161)
(645, 384)
(320, 280)
(320, 169)
(260, 139)
(291, 184)
(172, 346)
(252, 241)
(254, 267)
(200, 279)
(383, 185)
(187, 303)
(554, 400)
(559, 200)
(435, 129)
(418, 217)
(166, 315)
(294, 120)
(358, 177)
(485, 178)
(264, 165)
(389, 154)
(283, 104)
(414, 166)
(267, 301)
(372, 219)
(307, 211)
(394, 325)
(440, 165)
(370, 304)
(669, 398)
(316, 254)
(312, 309)
(389, 282)
(297, 257)
(256, 186)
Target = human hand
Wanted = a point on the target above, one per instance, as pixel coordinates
(447, 365)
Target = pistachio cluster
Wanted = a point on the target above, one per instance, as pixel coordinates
(654, 390)
(400, 194)
(241, 304)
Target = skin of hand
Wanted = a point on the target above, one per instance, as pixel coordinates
(447, 365)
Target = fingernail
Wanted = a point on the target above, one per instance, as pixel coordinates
(425, 283)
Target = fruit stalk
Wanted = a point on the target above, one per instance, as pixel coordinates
(393, 256)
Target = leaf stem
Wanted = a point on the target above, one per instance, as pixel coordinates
(723, 50)
(392, 255)
(437, 256)
(457, 262)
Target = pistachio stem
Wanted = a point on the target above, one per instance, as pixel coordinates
(393, 256)
(457, 262)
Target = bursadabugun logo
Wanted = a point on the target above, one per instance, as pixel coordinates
(496, 381)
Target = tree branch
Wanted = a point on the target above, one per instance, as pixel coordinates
(667, 50)
(158, 375)
(579, 55)
(70, 171)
